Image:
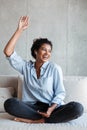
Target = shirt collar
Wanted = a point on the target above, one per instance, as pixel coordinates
(43, 66)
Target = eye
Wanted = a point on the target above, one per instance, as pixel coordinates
(46, 50)
(50, 51)
(43, 49)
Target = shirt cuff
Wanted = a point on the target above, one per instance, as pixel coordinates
(12, 55)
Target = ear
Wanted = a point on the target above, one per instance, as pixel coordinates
(35, 52)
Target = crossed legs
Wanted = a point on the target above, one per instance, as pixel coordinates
(28, 112)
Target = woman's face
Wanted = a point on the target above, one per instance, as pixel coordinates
(44, 53)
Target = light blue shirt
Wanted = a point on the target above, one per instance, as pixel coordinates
(49, 88)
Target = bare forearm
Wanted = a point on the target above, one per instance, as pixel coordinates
(22, 25)
(9, 48)
(51, 108)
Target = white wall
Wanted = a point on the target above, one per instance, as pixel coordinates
(64, 22)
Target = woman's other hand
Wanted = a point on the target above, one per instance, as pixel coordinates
(49, 111)
(44, 114)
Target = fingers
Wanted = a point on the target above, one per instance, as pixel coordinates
(44, 114)
(23, 22)
(24, 18)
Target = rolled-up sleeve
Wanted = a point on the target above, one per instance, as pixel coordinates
(58, 86)
(16, 62)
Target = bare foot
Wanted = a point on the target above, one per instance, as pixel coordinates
(29, 121)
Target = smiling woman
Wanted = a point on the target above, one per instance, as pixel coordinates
(41, 51)
(43, 90)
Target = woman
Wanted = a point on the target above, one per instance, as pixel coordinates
(43, 91)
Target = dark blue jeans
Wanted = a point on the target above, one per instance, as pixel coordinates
(26, 110)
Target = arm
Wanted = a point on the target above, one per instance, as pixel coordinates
(22, 25)
(58, 86)
(59, 92)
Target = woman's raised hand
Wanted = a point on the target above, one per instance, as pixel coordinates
(23, 23)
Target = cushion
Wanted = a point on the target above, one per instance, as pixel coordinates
(76, 90)
(5, 93)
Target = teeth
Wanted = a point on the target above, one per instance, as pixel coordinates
(45, 57)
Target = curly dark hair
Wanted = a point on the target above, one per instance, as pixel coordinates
(37, 43)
